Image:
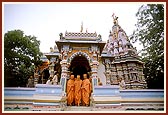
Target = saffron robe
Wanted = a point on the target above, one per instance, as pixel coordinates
(70, 91)
(86, 91)
(78, 84)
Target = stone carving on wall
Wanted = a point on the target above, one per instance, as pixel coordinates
(64, 52)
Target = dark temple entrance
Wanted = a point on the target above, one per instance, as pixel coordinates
(79, 66)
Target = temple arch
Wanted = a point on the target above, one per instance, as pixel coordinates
(79, 54)
(79, 64)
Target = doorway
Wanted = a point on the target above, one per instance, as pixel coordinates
(79, 66)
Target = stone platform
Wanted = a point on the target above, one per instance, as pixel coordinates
(104, 98)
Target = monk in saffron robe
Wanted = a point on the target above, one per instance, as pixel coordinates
(70, 90)
(78, 84)
(86, 90)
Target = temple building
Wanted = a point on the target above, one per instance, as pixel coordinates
(113, 67)
(84, 52)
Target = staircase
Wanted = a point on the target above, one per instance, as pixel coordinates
(78, 108)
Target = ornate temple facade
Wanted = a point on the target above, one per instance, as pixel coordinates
(107, 62)
(84, 52)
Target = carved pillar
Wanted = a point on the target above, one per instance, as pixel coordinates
(125, 72)
(94, 69)
(51, 67)
(64, 75)
(114, 80)
(107, 71)
(129, 68)
(94, 64)
(141, 76)
(119, 70)
(64, 65)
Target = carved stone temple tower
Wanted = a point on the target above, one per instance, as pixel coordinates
(121, 60)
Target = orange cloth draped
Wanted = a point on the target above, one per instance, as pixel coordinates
(70, 91)
(78, 84)
(86, 90)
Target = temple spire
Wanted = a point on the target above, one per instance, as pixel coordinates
(86, 30)
(115, 19)
(81, 27)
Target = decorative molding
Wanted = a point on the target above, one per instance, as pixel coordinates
(79, 53)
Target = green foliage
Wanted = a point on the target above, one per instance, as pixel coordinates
(21, 55)
(150, 32)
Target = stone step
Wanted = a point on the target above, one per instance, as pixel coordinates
(78, 108)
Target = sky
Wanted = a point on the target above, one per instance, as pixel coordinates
(47, 20)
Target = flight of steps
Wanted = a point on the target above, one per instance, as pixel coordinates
(78, 108)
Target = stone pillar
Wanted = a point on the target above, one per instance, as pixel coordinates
(141, 76)
(107, 71)
(64, 66)
(64, 75)
(94, 69)
(119, 70)
(94, 51)
(114, 79)
(51, 67)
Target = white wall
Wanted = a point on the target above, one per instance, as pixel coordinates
(101, 70)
